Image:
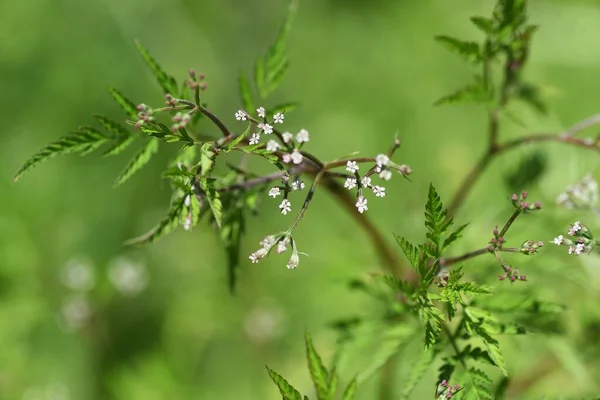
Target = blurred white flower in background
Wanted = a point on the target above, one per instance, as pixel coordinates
(78, 275)
(264, 323)
(76, 311)
(128, 277)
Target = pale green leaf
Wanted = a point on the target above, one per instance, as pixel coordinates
(138, 161)
(417, 371)
(166, 82)
(350, 391)
(318, 372)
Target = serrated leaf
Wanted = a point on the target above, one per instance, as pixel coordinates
(477, 385)
(432, 318)
(75, 142)
(332, 384)
(350, 391)
(477, 323)
(410, 251)
(454, 236)
(245, 93)
(259, 78)
(213, 199)
(283, 108)
(470, 51)
(113, 127)
(207, 159)
(119, 145)
(318, 372)
(396, 284)
(234, 225)
(166, 82)
(274, 78)
(164, 227)
(417, 371)
(288, 392)
(435, 220)
(127, 105)
(475, 92)
(486, 25)
(140, 159)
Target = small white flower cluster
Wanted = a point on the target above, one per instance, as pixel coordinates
(286, 205)
(581, 195)
(264, 127)
(188, 219)
(295, 156)
(583, 243)
(365, 182)
(281, 241)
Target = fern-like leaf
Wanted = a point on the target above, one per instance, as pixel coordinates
(166, 82)
(318, 372)
(138, 161)
(288, 392)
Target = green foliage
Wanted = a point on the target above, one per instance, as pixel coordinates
(479, 323)
(166, 82)
(432, 318)
(213, 198)
(140, 159)
(468, 50)
(164, 227)
(288, 392)
(318, 372)
(455, 291)
(475, 92)
(478, 386)
(127, 105)
(527, 172)
(435, 222)
(419, 368)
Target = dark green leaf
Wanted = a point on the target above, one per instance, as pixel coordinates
(470, 51)
(318, 372)
(479, 322)
(396, 284)
(234, 225)
(477, 385)
(213, 198)
(259, 78)
(527, 172)
(119, 145)
(166, 82)
(287, 391)
(245, 93)
(76, 142)
(166, 226)
(350, 390)
(486, 25)
(475, 92)
(433, 318)
(530, 94)
(453, 237)
(138, 161)
(207, 159)
(283, 108)
(410, 251)
(127, 105)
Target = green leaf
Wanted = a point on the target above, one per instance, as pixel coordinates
(138, 161)
(234, 225)
(283, 108)
(166, 82)
(245, 93)
(164, 227)
(274, 78)
(433, 318)
(213, 198)
(454, 290)
(113, 127)
(350, 390)
(470, 51)
(435, 220)
(318, 372)
(410, 251)
(259, 78)
(479, 322)
(475, 92)
(485, 25)
(418, 370)
(454, 236)
(207, 159)
(119, 145)
(477, 385)
(126, 104)
(332, 384)
(288, 392)
(396, 284)
(528, 172)
(76, 142)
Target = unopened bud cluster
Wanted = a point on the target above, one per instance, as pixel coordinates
(281, 242)
(446, 391)
(583, 241)
(196, 81)
(145, 114)
(511, 274)
(520, 203)
(530, 247)
(583, 194)
(496, 242)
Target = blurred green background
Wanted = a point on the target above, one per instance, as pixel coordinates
(81, 317)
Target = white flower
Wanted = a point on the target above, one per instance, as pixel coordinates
(350, 183)
(274, 192)
(240, 115)
(261, 112)
(285, 206)
(575, 228)
(294, 261)
(286, 158)
(187, 200)
(579, 248)
(361, 205)
(272, 145)
(365, 182)
(287, 137)
(558, 240)
(282, 245)
(296, 157)
(386, 175)
(379, 191)
(254, 138)
(187, 224)
(302, 136)
(297, 185)
(268, 242)
(278, 118)
(268, 129)
(382, 160)
(351, 166)
(258, 255)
